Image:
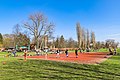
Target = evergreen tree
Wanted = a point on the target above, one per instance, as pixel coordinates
(1, 39)
(62, 42)
(71, 43)
(57, 43)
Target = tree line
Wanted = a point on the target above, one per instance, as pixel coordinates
(85, 38)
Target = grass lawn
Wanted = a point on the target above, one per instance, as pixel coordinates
(18, 69)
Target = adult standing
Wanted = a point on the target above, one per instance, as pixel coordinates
(66, 52)
(76, 53)
(57, 53)
(46, 55)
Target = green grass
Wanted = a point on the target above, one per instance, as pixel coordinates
(92, 50)
(103, 50)
(18, 69)
(118, 51)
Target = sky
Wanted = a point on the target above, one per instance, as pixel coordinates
(100, 16)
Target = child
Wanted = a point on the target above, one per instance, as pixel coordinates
(25, 55)
(14, 52)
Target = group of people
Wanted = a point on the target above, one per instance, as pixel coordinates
(76, 52)
(112, 52)
(14, 51)
(66, 52)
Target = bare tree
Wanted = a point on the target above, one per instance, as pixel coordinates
(111, 43)
(16, 31)
(88, 39)
(83, 39)
(39, 27)
(98, 45)
(93, 39)
(79, 34)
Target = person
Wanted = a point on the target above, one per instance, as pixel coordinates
(66, 51)
(58, 54)
(14, 52)
(25, 55)
(46, 51)
(76, 53)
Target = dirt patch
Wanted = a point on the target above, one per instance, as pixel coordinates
(84, 58)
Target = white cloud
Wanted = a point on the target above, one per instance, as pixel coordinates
(112, 35)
